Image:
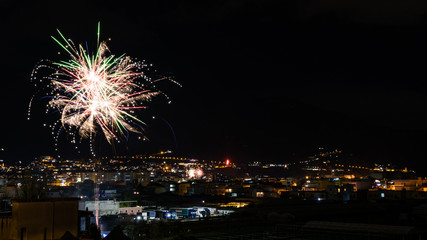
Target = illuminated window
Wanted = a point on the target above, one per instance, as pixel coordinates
(382, 195)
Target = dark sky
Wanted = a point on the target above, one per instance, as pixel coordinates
(262, 80)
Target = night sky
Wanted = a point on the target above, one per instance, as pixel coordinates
(262, 80)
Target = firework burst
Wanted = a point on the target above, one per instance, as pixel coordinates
(96, 91)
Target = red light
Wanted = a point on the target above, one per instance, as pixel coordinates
(227, 162)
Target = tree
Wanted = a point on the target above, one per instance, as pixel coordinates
(116, 234)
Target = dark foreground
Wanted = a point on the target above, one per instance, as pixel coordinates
(284, 219)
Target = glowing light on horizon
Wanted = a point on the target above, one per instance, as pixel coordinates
(195, 173)
(227, 162)
(191, 173)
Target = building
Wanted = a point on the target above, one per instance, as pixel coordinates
(40, 220)
(105, 207)
(130, 210)
(418, 184)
